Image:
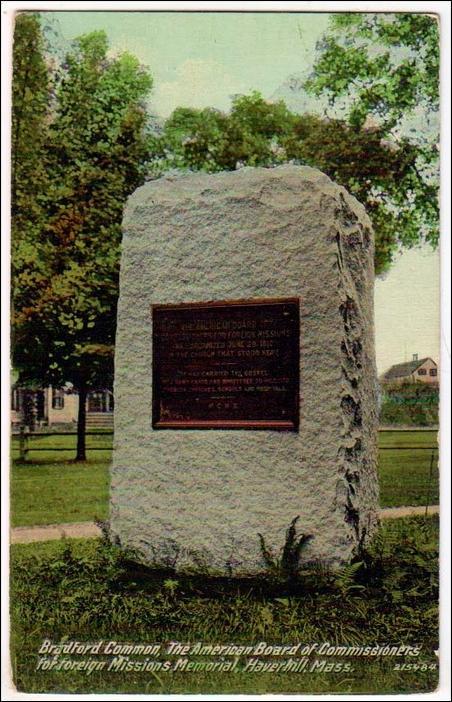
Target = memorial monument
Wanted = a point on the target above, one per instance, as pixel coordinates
(245, 381)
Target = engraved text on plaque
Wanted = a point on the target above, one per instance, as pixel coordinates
(226, 365)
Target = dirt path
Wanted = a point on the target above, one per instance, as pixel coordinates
(74, 530)
(395, 512)
(89, 530)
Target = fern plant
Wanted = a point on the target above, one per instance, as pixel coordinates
(287, 565)
(345, 579)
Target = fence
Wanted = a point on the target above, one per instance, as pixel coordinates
(25, 439)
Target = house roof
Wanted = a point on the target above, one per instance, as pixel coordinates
(400, 370)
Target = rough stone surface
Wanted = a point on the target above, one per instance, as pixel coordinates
(197, 500)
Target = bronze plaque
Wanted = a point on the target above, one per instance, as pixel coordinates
(226, 365)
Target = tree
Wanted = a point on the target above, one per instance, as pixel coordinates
(383, 70)
(376, 174)
(387, 63)
(30, 104)
(64, 325)
(256, 132)
(31, 95)
(31, 88)
(213, 141)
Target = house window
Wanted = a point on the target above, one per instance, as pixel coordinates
(101, 401)
(16, 400)
(422, 371)
(57, 398)
(433, 371)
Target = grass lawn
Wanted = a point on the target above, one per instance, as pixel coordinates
(404, 474)
(90, 591)
(50, 488)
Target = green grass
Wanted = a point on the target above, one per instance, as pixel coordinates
(90, 590)
(404, 480)
(404, 475)
(50, 488)
(53, 493)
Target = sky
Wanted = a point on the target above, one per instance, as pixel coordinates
(200, 59)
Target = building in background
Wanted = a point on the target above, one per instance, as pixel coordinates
(423, 370)
(58, 407)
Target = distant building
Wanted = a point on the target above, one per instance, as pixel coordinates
(59, 407)
(423, 370)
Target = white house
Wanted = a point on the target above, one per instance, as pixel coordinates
(422, 370)
(59, 406)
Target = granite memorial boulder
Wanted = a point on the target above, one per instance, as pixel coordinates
(245, 380)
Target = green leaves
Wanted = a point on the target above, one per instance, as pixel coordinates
(66, 267)
(385, 175)
(389, 60)
(211, 141)
(31, 94)
(384, 68)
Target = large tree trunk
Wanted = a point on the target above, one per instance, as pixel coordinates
(81, 424)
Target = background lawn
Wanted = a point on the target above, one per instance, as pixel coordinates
(404, 473)
(51, 488)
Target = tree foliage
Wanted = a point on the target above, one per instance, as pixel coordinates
(256, 132)
(31, 96)
(383, 69)
(410, 403)
(95, 153)
(80, 147)
(387, 63)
